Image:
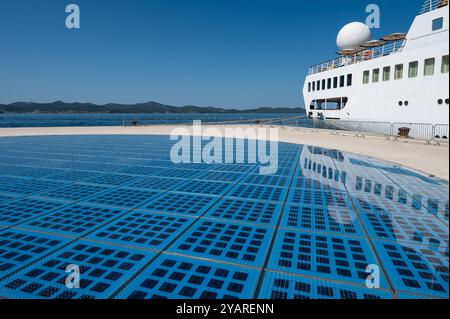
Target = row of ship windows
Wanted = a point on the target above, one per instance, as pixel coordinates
(347, 80)
(331, 83)
(413, 70)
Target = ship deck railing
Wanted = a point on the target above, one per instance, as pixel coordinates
(431, 5)
(362, 56)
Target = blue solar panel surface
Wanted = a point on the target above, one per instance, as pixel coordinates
(140, 226)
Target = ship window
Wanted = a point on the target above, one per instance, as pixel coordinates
(314, 86)
(329, 84)
(398, 72)
(386, 73)
(323, 84)
(366, 77)
(309, 86)
(335, 82)
(376, 75)
(342, 81)
(349, 79)
(444, 68)
(413, 69)
(318, 85)
(438, 24)
(429, 67)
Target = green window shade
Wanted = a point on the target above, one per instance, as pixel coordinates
(366, 77)
(429, 67)
(387, 73)
(376, 75)
(444, 68)
(398, 72)
(413, 69)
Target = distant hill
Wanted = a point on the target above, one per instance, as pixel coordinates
(149, 107)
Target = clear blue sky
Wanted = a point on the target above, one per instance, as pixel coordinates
(224, 53)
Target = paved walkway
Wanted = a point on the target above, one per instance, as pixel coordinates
(429, 159)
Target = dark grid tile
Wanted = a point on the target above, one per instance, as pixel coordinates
(17, 211)
(76, 219)
(323, 256)
(284, 286)
(103, 269)
(18, 248)
(184, 278)
(225, 242)
(143, 229)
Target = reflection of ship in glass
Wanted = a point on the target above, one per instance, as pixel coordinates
(404, 214)
(401, 78)
(403, 193)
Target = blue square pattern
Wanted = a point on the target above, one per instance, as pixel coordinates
(20, 210)
(416, 268)
(180, 203)
(103, 269)
(30, 172)
(204, 187)
(337, 220)
(143, 229)
(324, 256)
(220, 176)
(124, 197)
(317, 197)
(76, 219)
(267, 180)
(156, 183)
(264, 193)
(180, 173)
(70, 175)
(143, 170)
(285, 286)
(228, 242)
(111, 179)
(244, 210)
(404, 228)
(25, 186)
(176, 277)
(73, 191)
(18, 248)
(233, 167)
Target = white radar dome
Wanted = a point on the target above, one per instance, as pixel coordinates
(353, 35)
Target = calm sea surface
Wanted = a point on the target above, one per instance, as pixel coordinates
(60, 120)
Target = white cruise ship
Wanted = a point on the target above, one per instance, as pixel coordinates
(400, 78)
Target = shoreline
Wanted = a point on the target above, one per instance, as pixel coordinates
(432, 160)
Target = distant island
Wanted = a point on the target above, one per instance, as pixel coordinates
(60, 107)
